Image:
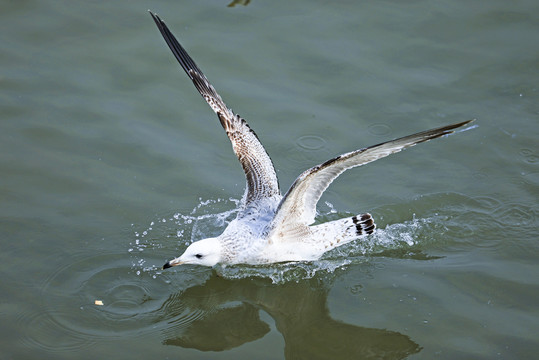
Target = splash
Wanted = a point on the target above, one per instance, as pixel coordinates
(210, 217)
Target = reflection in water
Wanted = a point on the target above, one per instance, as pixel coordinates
(300, 313)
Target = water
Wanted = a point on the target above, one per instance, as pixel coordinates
(111, 164)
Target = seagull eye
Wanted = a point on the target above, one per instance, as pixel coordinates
(198, 256)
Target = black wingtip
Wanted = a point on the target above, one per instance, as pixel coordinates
(155, 17)
(457, 125)
(160, 24)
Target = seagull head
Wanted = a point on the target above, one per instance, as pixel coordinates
(206, 252)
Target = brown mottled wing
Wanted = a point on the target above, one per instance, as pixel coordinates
(298, 207)
(259, 171)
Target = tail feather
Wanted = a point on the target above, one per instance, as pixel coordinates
(364, 224)
(338, 232)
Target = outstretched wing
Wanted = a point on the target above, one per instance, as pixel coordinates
(298, 207)
(259, 171)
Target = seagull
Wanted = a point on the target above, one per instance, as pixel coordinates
(269, 227)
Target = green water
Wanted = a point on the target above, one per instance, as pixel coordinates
(111, 164)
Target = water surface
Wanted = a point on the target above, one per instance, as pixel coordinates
(111, 164)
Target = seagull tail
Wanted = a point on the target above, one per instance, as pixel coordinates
(364, 224)
(342, 231)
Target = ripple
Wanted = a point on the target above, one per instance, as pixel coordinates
(355, 289)
(379, 129)
(311, 142)
(529, 156)
(532, 178)
(532, 159)
(43, 332)
(132, 304)
(488, 202)
(307, 150)
(480, 175)
(515, 216)
(185, 319)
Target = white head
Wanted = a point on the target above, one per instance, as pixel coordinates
(205, 252)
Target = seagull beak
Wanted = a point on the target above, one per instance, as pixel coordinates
(171, 263)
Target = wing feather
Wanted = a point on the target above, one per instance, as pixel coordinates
(259, 170)
(298, 206)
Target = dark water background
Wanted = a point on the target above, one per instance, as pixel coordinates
(111, 163)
